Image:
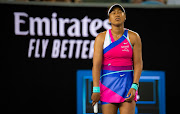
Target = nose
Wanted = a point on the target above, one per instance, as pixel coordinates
(117, 14)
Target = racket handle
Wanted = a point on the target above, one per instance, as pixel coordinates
(96, 108)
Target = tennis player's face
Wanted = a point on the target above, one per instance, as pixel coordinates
(117, 16)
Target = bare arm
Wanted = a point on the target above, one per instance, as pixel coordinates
(138, 64)
(97, 63)
(97, 58)
(137, 58)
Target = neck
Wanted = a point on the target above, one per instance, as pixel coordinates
(118, 29)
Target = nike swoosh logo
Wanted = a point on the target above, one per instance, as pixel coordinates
(121, 75)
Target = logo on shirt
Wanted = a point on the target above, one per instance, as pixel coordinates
(125, 43)
(125, 48)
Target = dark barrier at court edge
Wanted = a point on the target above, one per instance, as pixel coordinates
(44, 46)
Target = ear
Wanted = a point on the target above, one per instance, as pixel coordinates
(125, 15)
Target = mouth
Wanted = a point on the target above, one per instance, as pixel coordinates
(117, 19)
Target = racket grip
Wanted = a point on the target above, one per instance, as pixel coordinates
(96, 108)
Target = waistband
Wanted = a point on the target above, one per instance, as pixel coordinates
(114, 73)
(116, 68)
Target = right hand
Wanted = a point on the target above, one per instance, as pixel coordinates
(95, 98)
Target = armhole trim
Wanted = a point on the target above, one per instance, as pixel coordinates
(128, 40)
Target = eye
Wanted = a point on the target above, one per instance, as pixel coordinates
(119, 11)
(113, 12)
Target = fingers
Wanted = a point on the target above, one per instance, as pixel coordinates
(93, 103)
(95, 98)
(129, 99)
(128, 94)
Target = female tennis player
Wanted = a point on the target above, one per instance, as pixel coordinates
(117, 65)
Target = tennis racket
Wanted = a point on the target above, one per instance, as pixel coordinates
(96, 108)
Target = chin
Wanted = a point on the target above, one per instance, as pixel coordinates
(117, 24)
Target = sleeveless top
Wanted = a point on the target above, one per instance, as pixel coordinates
(119, 52)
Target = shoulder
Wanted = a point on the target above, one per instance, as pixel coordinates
(134, 36)
(100, 37)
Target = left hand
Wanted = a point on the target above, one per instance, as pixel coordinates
(132, 91)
